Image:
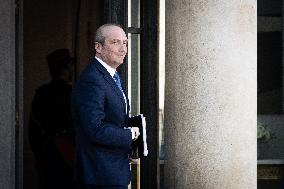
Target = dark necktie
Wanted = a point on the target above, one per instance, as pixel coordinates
(117, 81)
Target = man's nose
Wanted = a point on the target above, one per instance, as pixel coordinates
(123, 48)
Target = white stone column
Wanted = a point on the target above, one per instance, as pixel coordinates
(211, 94)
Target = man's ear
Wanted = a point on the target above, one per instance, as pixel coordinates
(98, 47)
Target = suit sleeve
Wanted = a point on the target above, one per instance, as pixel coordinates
(91, 115)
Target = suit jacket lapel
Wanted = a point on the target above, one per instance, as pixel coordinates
(110, 80)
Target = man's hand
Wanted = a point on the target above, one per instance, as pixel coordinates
(135, 133)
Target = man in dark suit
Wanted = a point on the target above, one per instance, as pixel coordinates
(100, 113)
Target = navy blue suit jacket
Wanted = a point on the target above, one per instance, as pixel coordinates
(102, 143)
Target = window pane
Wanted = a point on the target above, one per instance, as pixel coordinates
(134, 73)
(134, 13)
(161, 88)
(269, 65)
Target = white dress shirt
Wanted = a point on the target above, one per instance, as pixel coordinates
(112, 71)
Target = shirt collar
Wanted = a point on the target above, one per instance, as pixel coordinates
(110, 70)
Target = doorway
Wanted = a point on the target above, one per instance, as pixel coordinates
(52, 24)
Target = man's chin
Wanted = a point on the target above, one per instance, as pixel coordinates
(120, 61)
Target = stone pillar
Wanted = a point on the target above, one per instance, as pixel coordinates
(7, 95)
(210, 100)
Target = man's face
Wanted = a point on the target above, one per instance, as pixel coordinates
(114, 49)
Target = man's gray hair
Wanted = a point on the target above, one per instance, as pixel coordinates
(99, 36)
